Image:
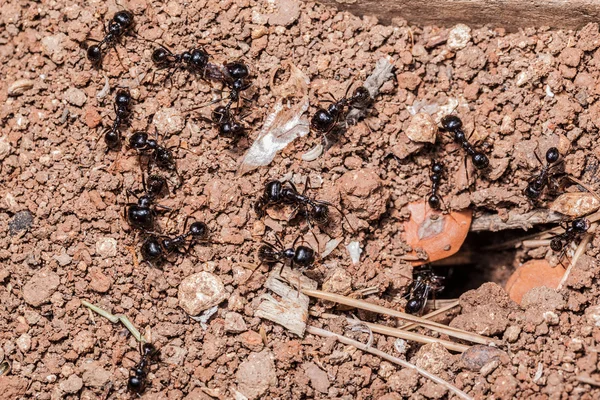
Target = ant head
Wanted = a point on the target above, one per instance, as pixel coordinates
(148, 350)
(151, 249)
(123, 98)
(304, 256)
(451, 123)
(155, 184)
(320, 213)
(198, 230)
(361, 97)
(160, 55)
(273, 190)
(94, 54)
(581, 225)
(480, 160)
(552, 155)
(237, 70)
(437, 167)
(322, 120)
(434, 202)
(267, 254)
(138, 140)
(199, 58)
(413, 306)
(556, 244)
(112, 139)
(125, 18)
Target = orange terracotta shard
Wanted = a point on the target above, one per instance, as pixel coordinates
(437, 234)
(532, 274)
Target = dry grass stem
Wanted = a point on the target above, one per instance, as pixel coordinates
(345, 340)
(453, 332)
(580, 250)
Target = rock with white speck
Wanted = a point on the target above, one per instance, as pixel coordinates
(287, 13)
(74, 96)
(422, 128)
(24, 342)
(234, 322)
(40, 287)
(72, 384)
(459, 37)
(169, 121)
(63, 259)
(106, 247)
(256, 374)
(200, 291)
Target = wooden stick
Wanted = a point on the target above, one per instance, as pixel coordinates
(453, 332)
(403, 334)
(345, 340)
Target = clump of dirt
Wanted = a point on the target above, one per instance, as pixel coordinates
(64, 239)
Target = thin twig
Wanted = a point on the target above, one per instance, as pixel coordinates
(580, 250)
(115, 319)
(404, 334)
(345, 340)
(532, 244)
(411, 326)
(450, 331)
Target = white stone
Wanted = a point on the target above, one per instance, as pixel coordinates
(200, 291)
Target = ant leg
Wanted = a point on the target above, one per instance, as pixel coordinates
(129, 192)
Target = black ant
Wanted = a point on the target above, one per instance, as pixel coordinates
(560, 242)
(453, 124)
(120, 23)
(276, 193)
(235, 79)
(112, 136)
(535, 187)
(160, 155)
(303, 256)
(325, 120)
(425, 282)
(141, 215)
(229, 127)
(157, 248)
(434, 200)
(195, 60)
(139, 373)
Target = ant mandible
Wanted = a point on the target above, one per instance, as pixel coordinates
(434, 200)
(303, 256)
(138, 374)
(276, 193)
(536, 186)
(425, 282)
(112, 136)
(120, 23)
(560, 242)
(453, 124)
(142, 215)
(157, 248)
(325, 120)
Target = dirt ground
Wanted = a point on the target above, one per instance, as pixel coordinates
(64, 239)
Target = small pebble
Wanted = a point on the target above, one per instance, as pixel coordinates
(169, 121)
(19, 87)
(19, 222)
(234, 322)
(4, 147)
(106, 247)
(422, 128)
(40, 287)
(72, 384)
(74, 96)
(459, 37)
(200, 291)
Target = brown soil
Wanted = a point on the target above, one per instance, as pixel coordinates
(64, 239)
